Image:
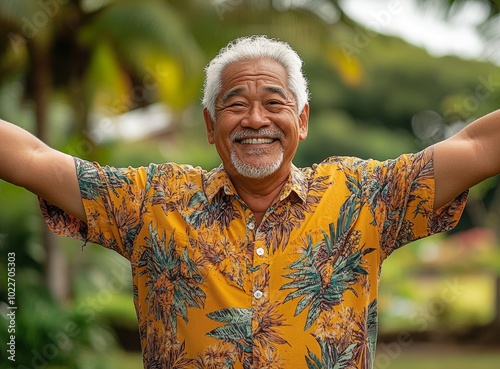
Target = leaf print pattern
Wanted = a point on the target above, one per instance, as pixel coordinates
(220, 211)
(323, 274)
(157, 357)
(315, 258)
(331, 357)
(366, 336)
(229, 258)
(173, 280)
(239, 332)
(219, 356)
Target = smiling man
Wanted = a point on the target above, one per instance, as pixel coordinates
(256, 129)
(256, 263)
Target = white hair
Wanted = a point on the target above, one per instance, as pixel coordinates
(255, 47)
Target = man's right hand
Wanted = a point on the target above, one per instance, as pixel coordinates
(27, 162)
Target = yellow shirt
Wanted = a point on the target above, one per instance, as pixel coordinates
(212, 290)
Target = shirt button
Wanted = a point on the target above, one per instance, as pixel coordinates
(251, 226)
(258, 294)
(260, 251)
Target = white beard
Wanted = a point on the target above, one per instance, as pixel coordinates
(258, 171)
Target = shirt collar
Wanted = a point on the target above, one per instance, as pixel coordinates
(297, 183)
(217, 180)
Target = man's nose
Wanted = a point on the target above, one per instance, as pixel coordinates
(256, 117)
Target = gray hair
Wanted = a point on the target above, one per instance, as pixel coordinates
(255, 47)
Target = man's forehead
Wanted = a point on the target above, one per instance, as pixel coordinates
(265, 70)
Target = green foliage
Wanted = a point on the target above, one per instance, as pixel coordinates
(46, 332)
(124, 54)
(428, 286)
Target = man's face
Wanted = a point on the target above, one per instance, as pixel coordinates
(257, 127)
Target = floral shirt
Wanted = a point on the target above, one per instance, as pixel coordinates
(213, 290)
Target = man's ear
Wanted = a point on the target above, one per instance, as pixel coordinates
(304, 122)
(210, 125)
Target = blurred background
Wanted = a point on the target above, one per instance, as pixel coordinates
(119, 82)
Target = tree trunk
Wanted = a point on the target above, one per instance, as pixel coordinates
(55, 268)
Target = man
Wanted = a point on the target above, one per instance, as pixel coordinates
(256, 263)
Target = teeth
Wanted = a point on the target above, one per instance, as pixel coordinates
(256, 141)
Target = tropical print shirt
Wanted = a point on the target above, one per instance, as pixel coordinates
(213, 290)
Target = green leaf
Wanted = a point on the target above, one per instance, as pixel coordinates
(232, 315)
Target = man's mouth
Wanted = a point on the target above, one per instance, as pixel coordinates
(256, 141)
(257, 137)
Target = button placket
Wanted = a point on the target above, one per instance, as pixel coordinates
(260, 260)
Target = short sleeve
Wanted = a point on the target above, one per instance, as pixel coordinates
(113, 199)
(401, 196)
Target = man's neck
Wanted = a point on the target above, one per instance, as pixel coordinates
(260, 194)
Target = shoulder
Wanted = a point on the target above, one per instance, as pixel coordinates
(406, 166)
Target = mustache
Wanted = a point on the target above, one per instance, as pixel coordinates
(263, 132)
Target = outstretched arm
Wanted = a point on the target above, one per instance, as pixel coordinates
(467, 158)
(26, 161)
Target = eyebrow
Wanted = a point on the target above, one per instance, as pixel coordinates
(231, 94)
(271, 89)
(277, 90)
